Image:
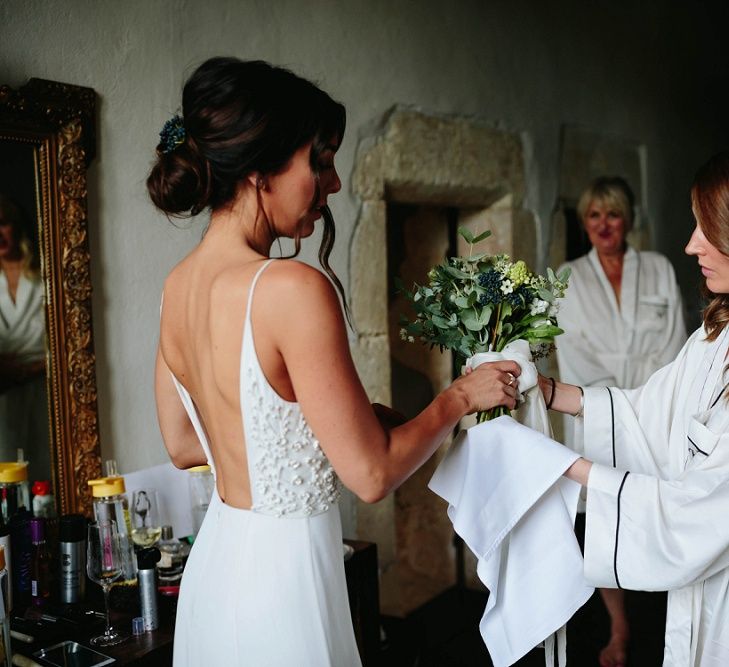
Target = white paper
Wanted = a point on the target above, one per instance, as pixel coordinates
(172, 486)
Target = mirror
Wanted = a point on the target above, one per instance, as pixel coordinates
(47, 363)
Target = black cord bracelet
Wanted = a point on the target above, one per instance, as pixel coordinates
(551, 396)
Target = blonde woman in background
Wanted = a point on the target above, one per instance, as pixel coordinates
(623, 320)
(23, 396)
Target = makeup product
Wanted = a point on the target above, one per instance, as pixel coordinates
(72, 548)
(40, 563)
(20, 544)
(6, 657)
(5, 544)
(147, 560)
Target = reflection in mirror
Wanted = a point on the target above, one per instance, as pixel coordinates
(47, 363)
(24, 421)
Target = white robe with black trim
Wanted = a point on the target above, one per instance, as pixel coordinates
(619, 345)
(658, 496)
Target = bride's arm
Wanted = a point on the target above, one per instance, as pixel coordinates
(306, 325)
(177, 431)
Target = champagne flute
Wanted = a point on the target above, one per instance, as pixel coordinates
(146, 524)
(104, 566)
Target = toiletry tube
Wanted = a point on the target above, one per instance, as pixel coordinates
(72, 548)
(147, 560)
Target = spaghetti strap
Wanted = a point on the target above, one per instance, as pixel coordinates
(253, 286)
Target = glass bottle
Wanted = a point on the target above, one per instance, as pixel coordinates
(202, 484)
(40, 563)
(20, 543)
(110, 504)
(14, 492)
(172, 561)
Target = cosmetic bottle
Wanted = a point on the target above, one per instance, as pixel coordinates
(72, 550)
(43, 503)
(6, 658)
(40, 563)
(172, 562)
(5, 544)
(20, 544)
(147, 560)
(14, 492)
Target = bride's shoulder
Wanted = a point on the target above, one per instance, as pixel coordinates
(297, 278)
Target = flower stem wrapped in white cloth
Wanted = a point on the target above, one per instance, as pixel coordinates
(512, 507)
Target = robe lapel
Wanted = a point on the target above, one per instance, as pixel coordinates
(629, 287)
(604, 282)
(8, 311)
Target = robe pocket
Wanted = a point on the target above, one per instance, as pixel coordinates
(652, 311)
(700, 441)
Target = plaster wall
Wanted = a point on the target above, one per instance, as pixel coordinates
(654, 75)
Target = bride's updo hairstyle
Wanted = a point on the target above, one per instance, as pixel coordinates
(710, 200)
(238, 118)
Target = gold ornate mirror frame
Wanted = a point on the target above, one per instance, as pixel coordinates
(58, 120)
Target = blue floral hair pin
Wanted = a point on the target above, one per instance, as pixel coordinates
(172, 134)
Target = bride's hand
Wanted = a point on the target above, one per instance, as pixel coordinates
(491, 385)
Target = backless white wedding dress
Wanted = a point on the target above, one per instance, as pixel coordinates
(265, 587)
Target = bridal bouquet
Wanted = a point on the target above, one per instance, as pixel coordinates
(482, 303)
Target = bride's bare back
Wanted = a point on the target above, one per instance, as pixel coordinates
(201, 338)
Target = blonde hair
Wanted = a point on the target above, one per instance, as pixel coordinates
(710, 202)
(11, 214)
(612, 192)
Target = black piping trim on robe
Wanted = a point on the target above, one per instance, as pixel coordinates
(698, 449)
(721, 393)
(612, 422)
(617, 531)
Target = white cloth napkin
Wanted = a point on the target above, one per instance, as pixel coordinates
(531, 410)
(512, 507)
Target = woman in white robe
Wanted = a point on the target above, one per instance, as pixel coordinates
(24, 421)
(623, 320)
(656, 461)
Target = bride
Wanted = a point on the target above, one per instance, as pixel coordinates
(254, 374)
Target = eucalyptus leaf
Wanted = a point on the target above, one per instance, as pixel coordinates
(471, 320)
(545, 294)
(482, 236)
(466, 234)
(456, 273)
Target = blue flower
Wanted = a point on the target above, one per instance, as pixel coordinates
(172, 134)
(491, 282)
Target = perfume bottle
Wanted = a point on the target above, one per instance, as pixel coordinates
(172, 562)
(40, 563)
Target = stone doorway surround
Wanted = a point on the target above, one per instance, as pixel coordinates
(416, 158)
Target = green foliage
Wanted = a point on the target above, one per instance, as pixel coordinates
(484, 302)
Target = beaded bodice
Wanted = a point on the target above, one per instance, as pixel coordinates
(290, 476)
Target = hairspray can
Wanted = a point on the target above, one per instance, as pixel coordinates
(72, 548)
(147, 560)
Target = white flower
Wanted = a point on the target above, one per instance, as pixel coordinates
(403, 334)
(507, 287)
(411, 339)
(538, 306)
(553, 310)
